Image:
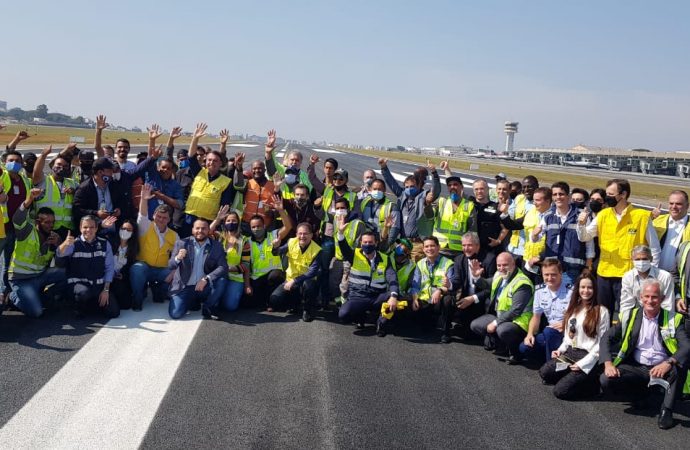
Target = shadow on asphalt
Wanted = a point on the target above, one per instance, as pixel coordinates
(16, 327)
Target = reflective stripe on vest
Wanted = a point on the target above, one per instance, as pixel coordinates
(617, 239)
(84, 280)
(298, 261)
(505, 299)
(350, 233)
(61, 205)
(450, 225)
(430, 281)
(255, 195)
(362, 275)
(204, 198)
(668, 334)
(27, 258)
(262, 258)
(518, 235)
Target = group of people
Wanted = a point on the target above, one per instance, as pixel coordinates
(589, 286)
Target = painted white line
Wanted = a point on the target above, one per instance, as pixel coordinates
(323, 150)
(109, 392)
(243, 145)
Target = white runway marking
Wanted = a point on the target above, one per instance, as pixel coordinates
(243, 145)
(107, 395)
(323, 150)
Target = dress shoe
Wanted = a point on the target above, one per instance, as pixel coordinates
(514, 360)
(306, 316)
(665, 419)
(445, 339)
(380, 330)
(207, 314)
(360, 325)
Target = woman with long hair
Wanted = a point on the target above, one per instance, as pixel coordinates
(238, 255)
(573, 367)
(125, 254)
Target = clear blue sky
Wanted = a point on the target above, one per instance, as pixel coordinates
(369, 72)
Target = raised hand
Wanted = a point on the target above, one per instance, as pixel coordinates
(278, 203)
(223, 213)
(200, 130)
(277, 179)
(46, 151)
(21, 135)
(476, 268)
(69, 241)
(313, 159)
(383, 162)
(53, 238)
(503, 207)
(175, 133)
(443, 165)
(581, 218)
(34, 193)
(224, 135)
(656, 212)
(101, 123)
(271, 142)
(239, 159)
(154, 132)
(181, 254)
(275, 243)
(109, 222)
(341, 224)
(147, 192)
(430, 165)
(156, 152)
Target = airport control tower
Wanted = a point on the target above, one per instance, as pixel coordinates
(510, 129)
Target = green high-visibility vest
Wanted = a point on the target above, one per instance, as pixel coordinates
(505, 299)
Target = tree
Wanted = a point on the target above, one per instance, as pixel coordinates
(42, 111)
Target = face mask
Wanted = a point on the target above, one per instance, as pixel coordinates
(340, 188)
(579, 204)
(377, 195)
(399, 251)
(411, 191)
(513, 195)
(341, 212)
(301, 202)
(642, 266)
(291, 178)
(13, 166)
(106, 179)
(454, 197)
(368, 249)
(596, 206)
(61, 173)
(117, 176)
(231, 226)
(369, 181)
(611, 201)
(184, 164)
(125, 234)
(259, 234)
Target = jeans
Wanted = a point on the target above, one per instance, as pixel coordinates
(210, 296)
(27, 293)
(141, 273)
(544, 343)
(7, 248)
(232, 295)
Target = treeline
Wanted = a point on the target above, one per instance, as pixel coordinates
(41, 112)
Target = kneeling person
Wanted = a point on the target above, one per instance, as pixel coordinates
(372, 277)
(90, 269)
(35, 247)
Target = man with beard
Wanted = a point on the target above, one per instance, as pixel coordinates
(293, 175)
(29, 272)
(257, 192)
(453, 217)
(488, 217)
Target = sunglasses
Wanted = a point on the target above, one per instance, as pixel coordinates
(572, 324)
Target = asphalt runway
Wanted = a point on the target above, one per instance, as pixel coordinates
(260, 380)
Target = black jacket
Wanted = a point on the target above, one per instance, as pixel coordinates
(461, 280)
(86, 201)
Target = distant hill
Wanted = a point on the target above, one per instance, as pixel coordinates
(42, 116)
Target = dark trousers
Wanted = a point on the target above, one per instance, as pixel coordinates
(327, 254)
(122, 290)
(355, 308)
(507, 334)
(464, 317)
(633, 381)
(544, 344)
(86, 300)
(609, 293)
(262, 288)
(304, 295)
(569, 384)
(428, 314)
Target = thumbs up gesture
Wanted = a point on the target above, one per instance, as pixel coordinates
(582, 217)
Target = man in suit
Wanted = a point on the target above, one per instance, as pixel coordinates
(97, 196)
(201, 272)
(471, 292)
(654, 344)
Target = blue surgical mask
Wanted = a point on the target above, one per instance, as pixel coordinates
(368, 248)
(377, 195)
(411, 191)
(454, 197)
(291, 178)
(399, 250)
(13, 166)
(184, 164)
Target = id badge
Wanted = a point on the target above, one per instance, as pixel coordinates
(558, 240)
(15, 190)
(455, 224)
(261, 204)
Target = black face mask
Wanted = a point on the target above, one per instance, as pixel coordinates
(610, 201)
(579, 205)
(340, 188)
(595, 206)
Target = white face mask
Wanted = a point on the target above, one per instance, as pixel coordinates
(341, 212)
(643, 265)
(125, 234)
